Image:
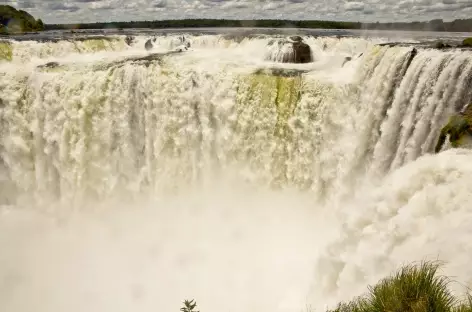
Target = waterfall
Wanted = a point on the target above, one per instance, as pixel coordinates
(310, 178)
(97, 128)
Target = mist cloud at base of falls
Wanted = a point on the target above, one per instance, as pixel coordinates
(357, 203)
(418, 212)
(147, 255)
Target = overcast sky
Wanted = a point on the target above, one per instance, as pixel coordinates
(76, 11)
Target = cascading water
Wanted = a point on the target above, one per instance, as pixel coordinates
(132, 180)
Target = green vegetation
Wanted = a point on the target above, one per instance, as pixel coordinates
(272, 96)
(463, 25)
(17, 21)
(414, 288)
(189, 306)
(189, 23)
(467, 42)
(272, 91)
(459, 127)
(411, 289)
(6, 52)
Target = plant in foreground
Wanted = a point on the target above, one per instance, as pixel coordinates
(414, 288)
(411, 289)
(465, 306)
(189, 306)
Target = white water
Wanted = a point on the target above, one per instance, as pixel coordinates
(133, 185)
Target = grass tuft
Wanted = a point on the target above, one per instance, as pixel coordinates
(414, 288)
(465, 306)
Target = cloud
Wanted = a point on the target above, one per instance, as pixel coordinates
(354, 6)
(79, 11)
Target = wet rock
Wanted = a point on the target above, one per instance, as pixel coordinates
(411, 56)
(302, 52)
(347, 59)
(129, 40)
(296, 38)
(293, 50)
(148, 45)
(458, 128)
(183, 47)
(51, 67)
(441, 45)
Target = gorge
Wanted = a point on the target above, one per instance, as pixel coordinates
(132, 178)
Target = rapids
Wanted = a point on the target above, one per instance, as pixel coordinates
(131, 180)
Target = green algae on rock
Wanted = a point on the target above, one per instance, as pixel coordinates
(6, 51)
(459, 128)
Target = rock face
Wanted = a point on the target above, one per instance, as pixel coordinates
(346, 59)
(182, 47)
(441, 45)
(302, 52)
(459, 129)
(291, 50)
(129, 40)
(148, 45)
(296, 38)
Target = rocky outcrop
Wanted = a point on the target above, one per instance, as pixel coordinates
(183, 44)
(458, 128)
(148, 45)
(346, 59)
(441, 45)
(52, 67)
(183, 47)
(411, 56)
(291, 50)
(129, 40)
(466, 44)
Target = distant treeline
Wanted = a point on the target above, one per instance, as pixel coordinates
(461, 25)
(191, 23)
(13, 20)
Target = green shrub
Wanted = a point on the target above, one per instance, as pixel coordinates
(467, 42)
(411, 289)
